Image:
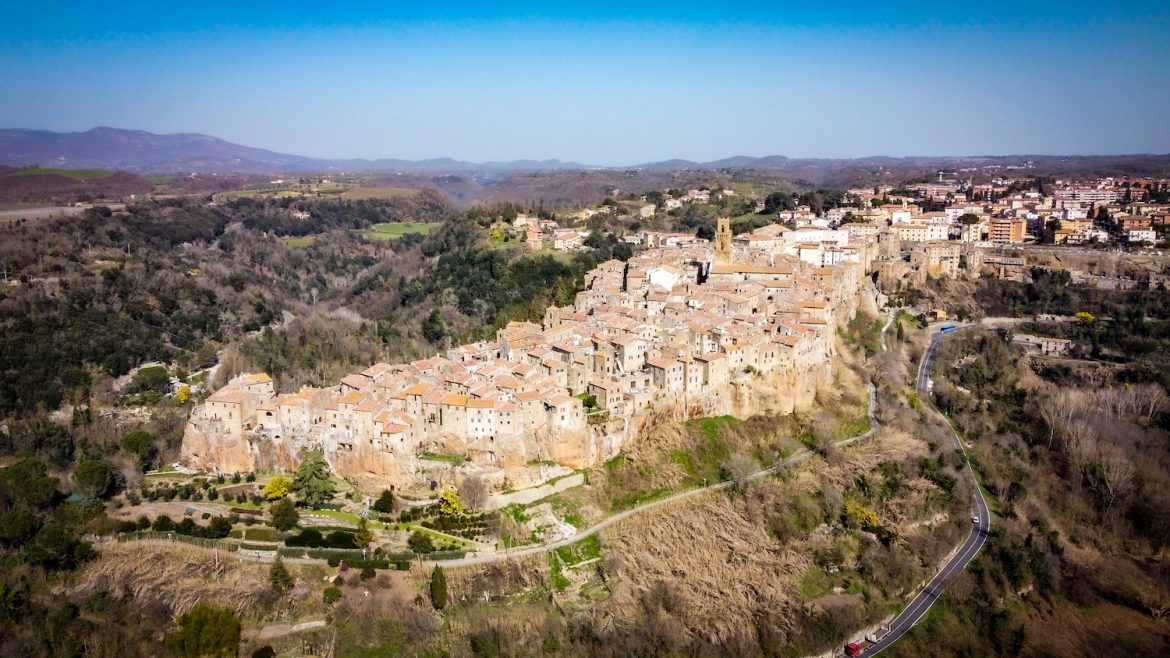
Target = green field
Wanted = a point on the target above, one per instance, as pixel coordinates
(278, 193)
(380, 192)
(389, 231)
(300, 242)
(75, 174)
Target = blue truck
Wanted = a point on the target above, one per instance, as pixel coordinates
(946, 329)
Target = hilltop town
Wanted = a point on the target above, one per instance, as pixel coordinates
(686, 327)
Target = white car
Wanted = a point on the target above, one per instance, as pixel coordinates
(975, 519)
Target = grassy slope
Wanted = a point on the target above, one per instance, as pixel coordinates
(389, 231)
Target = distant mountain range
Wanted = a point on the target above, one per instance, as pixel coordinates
(144, 152)
(141, 151)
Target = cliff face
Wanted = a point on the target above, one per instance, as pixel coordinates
(214, 451)
(518, 464)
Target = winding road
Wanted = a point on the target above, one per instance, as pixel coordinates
(922, 602)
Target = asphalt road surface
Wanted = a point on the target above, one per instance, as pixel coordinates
(921, 603)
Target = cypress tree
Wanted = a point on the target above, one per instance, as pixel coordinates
(438, 588)
(279, 577)
(364, 536)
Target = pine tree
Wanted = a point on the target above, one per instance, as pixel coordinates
(385, 503)
(312, 483)
(279, 577)
(364, 536)
(438, 588)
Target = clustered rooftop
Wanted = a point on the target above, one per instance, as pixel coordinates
(678, 323)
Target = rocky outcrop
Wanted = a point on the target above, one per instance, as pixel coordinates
(216, 451)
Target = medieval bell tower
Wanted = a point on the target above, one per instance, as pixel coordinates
(723, 240)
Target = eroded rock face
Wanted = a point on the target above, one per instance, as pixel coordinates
(780, 392)
(216, 451)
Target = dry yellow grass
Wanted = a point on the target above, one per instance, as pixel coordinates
(722, 566)
(714, 553)
(177, 576)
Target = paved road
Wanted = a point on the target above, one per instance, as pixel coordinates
(934, 328)
(922, 602)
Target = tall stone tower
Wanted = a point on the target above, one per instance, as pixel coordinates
(723, 239)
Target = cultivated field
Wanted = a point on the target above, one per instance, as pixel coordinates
(380, 192)
(391, 230)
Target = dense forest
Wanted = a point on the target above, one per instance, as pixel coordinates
(115, 321)
(298, 288)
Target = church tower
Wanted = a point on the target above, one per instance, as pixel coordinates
(723, 240)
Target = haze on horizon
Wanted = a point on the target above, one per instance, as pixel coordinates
(601, 83)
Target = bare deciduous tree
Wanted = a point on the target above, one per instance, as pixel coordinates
(473, 492)
(1150, 399)
(738, 468)
(1080, 445)
(1114, 477)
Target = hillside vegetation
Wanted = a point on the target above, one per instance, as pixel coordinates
(1075, 454)
(59, 186)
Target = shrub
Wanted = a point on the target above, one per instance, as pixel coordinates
(331, 595)
(285, 515)
(310, 537)
(340, 539)
(277, 488)
(368, 572)
(420, 542)
(206, 631)
(385, 502)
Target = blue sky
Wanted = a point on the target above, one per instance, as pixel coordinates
(600, 83)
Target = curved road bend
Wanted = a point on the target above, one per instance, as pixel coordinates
(922, 602)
